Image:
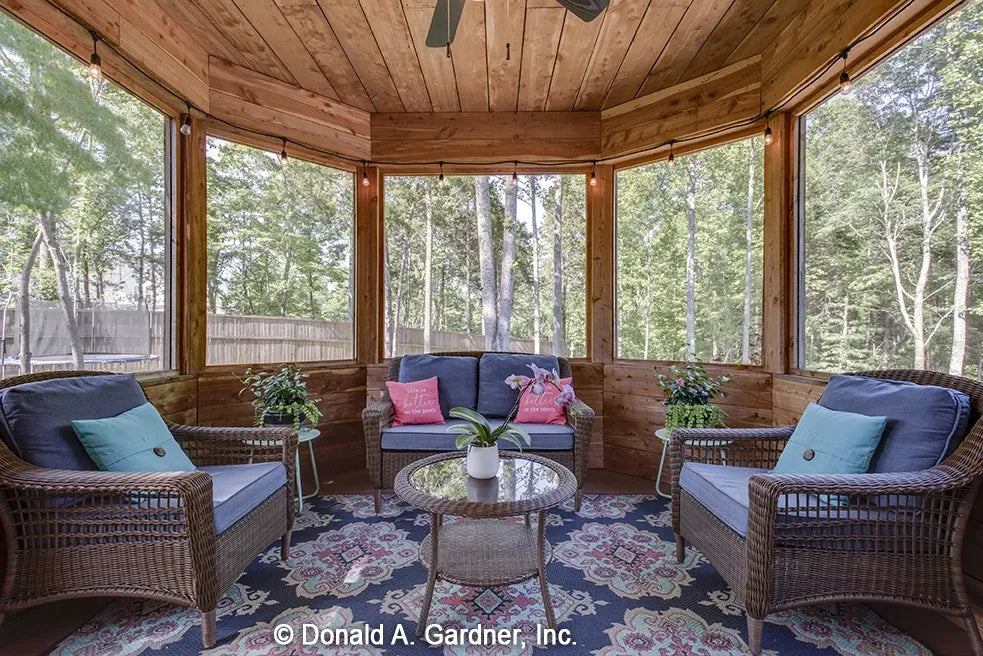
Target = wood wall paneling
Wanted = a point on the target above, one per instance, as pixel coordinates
(601, 336)
(176, 398)
(481, 136)
(368, 265)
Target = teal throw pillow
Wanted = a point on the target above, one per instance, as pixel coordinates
(831, 442)
(135, 441)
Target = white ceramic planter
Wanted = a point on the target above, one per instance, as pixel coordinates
(483, 461)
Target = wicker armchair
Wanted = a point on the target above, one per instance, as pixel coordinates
(77, 534)
(898, 539)
(383, 465)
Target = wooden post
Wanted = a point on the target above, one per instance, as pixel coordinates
(778, 303)
(192, 249)
(368, 265)
(601, 266)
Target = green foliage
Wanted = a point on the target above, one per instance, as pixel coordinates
(283, 393)
(690, 385)
(478, 432)
(683, 415)
(904, 144)
(652, 235)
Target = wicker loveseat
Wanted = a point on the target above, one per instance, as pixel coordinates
(892, 538)
(386, 456)
(158, 536)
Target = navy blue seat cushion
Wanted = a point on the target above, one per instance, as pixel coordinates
(457, 378)
(722, 490)
(925, 423)
(36, 418)
(238, 489)
(495, 398)
(434, 437)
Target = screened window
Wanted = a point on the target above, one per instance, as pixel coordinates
(279, 258)
(485, 262)
(893, 233)
(85, 257)
(689, 252)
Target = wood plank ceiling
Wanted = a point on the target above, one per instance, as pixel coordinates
(371, 54)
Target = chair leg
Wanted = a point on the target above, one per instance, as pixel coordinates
(973, 631)
(378, 501)
(680, 549)
(285, 546)
(208, 628)
(576, 501)
(754, 630)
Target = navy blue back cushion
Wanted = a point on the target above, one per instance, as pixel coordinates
(457, 378)
(495, 398)
(36, 418)
(925, 423)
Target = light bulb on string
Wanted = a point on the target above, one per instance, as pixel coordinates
(283, 154)
(186, 123)
(95, 61)
(365, 175)
(846, 84)
(593, 174)
(515, 172)
(440, 178)
(769, 137)
(671, 160)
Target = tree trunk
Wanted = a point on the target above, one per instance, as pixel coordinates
(506, 278)
(64, 289)
(961, 294)
(691, 265)
(918, 299)
(404, 267)
(428, 274)
(24, 306)
(647, 306)
(748, 234)
(486, 262)
(387, 293)
(535, 264)
(285, 291)
(558, 336)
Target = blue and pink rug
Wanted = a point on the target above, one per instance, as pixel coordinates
(614, 582)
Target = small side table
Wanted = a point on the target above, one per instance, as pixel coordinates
(663, 435)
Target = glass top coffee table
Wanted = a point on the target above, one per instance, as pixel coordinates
(485, 550)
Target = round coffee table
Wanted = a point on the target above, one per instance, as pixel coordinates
(485, 550)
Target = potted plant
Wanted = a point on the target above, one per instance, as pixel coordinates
(280, 399)
(689, 391)
(481, 439)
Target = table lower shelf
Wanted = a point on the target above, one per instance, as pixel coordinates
(486, 552)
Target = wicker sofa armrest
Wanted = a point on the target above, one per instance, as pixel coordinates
(376, 417)
(885, 512)
(580, 417)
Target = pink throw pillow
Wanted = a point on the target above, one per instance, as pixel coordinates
(415, 403)
(542, 409)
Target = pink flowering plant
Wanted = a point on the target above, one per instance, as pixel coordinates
(478, 431)
(689, 391)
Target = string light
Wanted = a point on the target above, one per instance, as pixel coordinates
(593, 174)
(283, 154)
(365, 174)
(515, 171)
(441, 178)
(769, 137)
(95, 61)
(846, 84)
(671, 160)
(186, 123)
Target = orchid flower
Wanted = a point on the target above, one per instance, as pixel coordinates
(566, 397)
(517, 382)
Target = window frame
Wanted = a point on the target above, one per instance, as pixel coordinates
(215, 129)
(495, 170)
(655, 157)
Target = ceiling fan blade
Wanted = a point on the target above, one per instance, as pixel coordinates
(439, 34)
(585, 10)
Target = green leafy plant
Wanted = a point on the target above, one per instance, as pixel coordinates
(281, 393)
(478, 431)
(689, 391)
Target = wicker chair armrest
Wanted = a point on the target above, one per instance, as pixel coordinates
(580, 418)
(376, 417)
(739, 447)
(768, 488)
(213, 445)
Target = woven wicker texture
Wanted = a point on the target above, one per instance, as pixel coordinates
(898, 539)
(151, 535)
(384, 465)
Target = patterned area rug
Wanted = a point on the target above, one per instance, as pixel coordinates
(614, 582)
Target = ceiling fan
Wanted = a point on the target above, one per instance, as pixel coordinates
(447, 15)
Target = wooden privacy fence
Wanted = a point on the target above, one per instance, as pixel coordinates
(120, 339)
